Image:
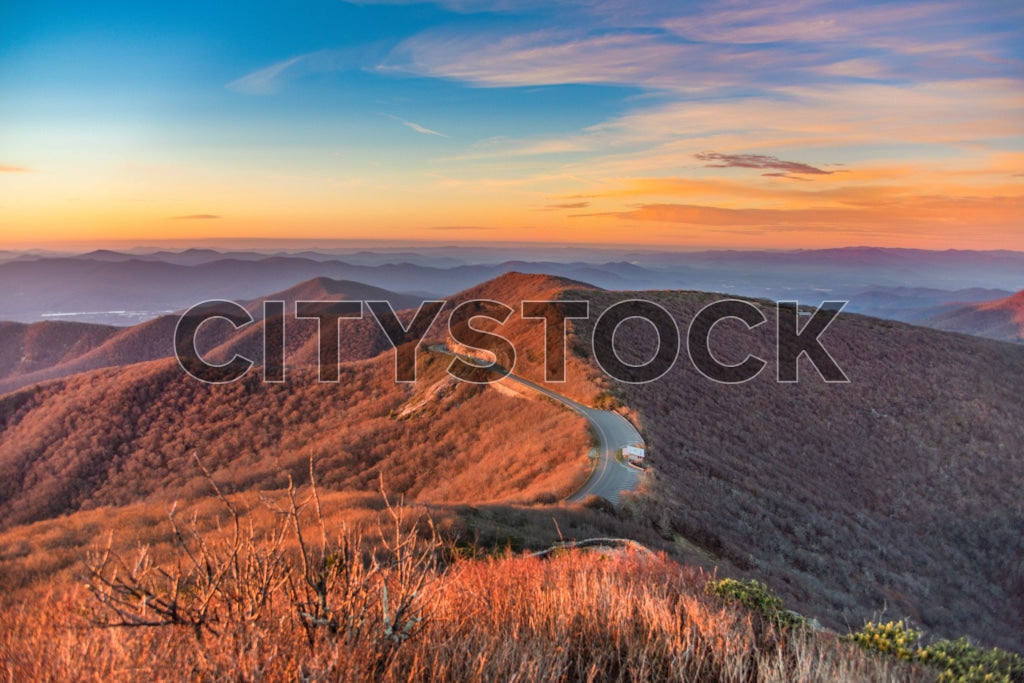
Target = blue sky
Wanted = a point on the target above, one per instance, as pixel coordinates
(476, 121)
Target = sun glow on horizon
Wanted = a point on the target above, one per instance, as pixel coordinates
(690, 126)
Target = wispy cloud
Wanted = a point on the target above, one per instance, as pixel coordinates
(685, 48)
(266, 80)
(903, 91)
(762, 161)
(565, 206)
(270, 79)
(196, 217)
(462, 228)
(552, 58)
(984, 177)
(803, 21)
(663, 138)
(14, 169)
(416, 127)
(915, 214)
(778, 174)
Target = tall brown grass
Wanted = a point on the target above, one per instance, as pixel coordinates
(402, 607)
(579, 616)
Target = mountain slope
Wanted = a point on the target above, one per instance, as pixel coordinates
(899, 489)
(93, 346)
(528, 334)
(25, 349)
(124, 435)
(1001, 319)
(912, 304)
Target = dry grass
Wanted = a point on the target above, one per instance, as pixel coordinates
(579, 616)
(279, 588)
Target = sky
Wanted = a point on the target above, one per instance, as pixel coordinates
(687, 125)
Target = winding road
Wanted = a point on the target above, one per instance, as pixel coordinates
(610, 477)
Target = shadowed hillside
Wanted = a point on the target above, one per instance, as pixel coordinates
(358, 338)
(899, 490)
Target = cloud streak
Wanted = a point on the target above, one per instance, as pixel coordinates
(265, 81)
(762, 161)
(423, 130)
(462, 228)
(196, 217)
(914, 214)
(680, 48)
(14, 169)
(271, 79)
(542, 58)
(663, 138)
(566, 206)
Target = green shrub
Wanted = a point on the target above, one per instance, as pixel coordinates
(893, 638)
(758, 597)
(958, 661)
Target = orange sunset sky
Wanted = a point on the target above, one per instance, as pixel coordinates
(691, 125)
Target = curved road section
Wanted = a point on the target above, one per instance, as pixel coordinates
(610, 477)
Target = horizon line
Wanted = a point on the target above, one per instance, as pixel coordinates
(258, 244)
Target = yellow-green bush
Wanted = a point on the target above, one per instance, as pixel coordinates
(892, 638)
(962, 662)
(958, 661)
(756, 596)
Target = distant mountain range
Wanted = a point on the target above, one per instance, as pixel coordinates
(31, 353)
(124, 288)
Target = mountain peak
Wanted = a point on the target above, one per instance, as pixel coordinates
(325, 288)
(514, 286)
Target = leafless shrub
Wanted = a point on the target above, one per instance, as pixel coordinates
(212, 580)
(366, 601)
(375, 599)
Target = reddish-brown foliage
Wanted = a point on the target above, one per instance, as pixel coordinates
(1001, 319)
(113, 437)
